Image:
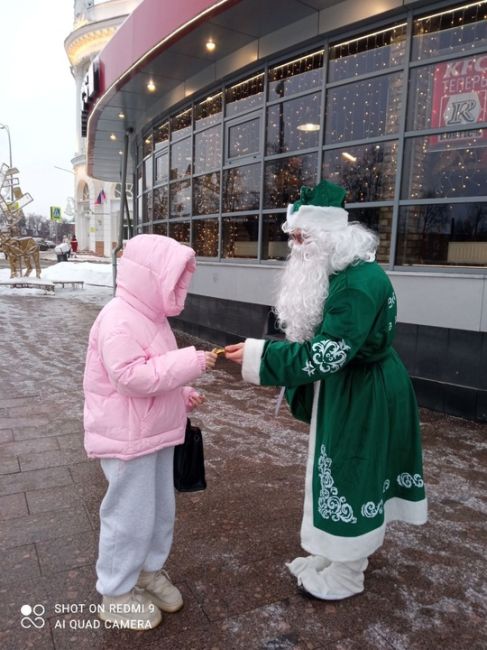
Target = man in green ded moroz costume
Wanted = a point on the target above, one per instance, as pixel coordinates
(338, 310)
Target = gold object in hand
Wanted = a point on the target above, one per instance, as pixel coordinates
(218, 351)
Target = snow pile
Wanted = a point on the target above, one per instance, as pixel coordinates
(89, 272)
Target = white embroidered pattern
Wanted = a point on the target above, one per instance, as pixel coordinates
(330, 505)
(407, 480)
(386, 485)
(309, 368)
(370, 510)
(391, 301)
(329, 355)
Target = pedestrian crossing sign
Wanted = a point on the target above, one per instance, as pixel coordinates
(55, 213)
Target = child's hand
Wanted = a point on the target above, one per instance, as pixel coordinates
(195, 400)
(235, 352)
(211, 358)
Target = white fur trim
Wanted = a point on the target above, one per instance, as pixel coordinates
(253, 349)
(327, 218)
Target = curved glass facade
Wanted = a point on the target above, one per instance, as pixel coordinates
(397, 115)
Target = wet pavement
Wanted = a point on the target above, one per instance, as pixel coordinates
(425, 588)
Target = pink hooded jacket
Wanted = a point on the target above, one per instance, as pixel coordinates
(135, 399)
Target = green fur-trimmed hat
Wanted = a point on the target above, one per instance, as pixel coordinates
(320, 207)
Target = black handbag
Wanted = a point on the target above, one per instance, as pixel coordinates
(189, 461)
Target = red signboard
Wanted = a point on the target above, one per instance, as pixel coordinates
(459, 99)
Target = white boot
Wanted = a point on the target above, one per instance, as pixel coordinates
(337, 581)
(299, 564)
(160, 590)
(131, 611)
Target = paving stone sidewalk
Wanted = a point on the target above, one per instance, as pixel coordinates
(425, 588)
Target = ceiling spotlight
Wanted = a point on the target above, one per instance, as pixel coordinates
(210, 45)
(349, 156)
(151, 86)
(121, 115)
(308, 127)
(113, 136)
(120, 153)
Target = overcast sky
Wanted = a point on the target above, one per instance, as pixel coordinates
(37, 98)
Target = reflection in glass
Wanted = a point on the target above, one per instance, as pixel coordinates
(239, 236)
(364, 109)
(161, 136)
(293, 125)
(274, 240)
(244, 95)
(147, 145)
(297, 75)
(161, 196)
(147, 207)
(180, 232)
(379, 220)
(368, 172)
(180, 199)
(448, 94)
(453, 30)
(159, 229)
(208, 112)
(445, 165)
(148, 169)
(162, 168)
(243, 139)
(454, 234)
(284, 177)
(241, 188)
(368, 53)
(181, 124)
(207, 150)
(206, 194)
(181, 159)
(205, 237)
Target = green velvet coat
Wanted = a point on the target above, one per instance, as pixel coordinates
(364, 462)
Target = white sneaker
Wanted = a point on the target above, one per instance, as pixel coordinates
(131, 611)
(160, 590)
(299, 564)
(337, 581)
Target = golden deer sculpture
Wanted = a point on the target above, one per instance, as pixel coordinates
(16, 248)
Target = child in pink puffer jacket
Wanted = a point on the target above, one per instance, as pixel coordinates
(136, 404)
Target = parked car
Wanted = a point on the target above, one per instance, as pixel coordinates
(43, 244)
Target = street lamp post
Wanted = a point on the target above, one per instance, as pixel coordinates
(5, 128)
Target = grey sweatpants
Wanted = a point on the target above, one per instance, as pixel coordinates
(136, 520)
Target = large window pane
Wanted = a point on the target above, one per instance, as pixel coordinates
(208, 112)
(206, 194)
(452, 93)
(454, 30)
(245, 95)
(147, 145)
(445, 165)
(239, 236)
(207, 150)
(243, 139)
(296, 75)
(180, 232)
(181, 159)
(293, 125)
(147, 207)
(161, 136)
(274, 240)
(368, 172)
(363, 109)
(161, 196)
(284, 177)
(180, 199)
(368, 53)
(379, 220)
(181, 125)
(205, 237)
(162, 168)
(148, 171)
(454, 234)
(241, 188)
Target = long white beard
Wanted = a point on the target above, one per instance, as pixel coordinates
(303, 290)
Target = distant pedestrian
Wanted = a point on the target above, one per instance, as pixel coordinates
(337, 308)
(74, 245)
(136, 405)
